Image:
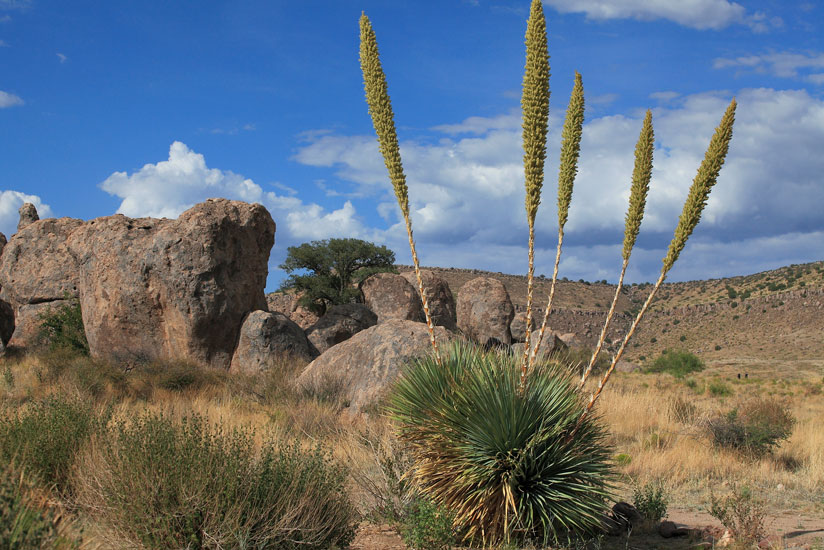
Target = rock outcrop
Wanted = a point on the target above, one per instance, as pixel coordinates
(165, 289)
(28, 215)
(288, 305)
(266, 337)
(340, 323)
(485, 311)
(363, 367)
(37, 269)
(551, 344)
(392, 297)
(438, 296)
(518, 326)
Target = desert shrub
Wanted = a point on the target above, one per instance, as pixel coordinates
(677, 363)
(718, 388)
(45, 437)
(382, 476)
(176, 485)
(428, 526)
(755, 428)
(24, 524)
(62, 328)
(742, 514)
(651, 500)
(504, 461)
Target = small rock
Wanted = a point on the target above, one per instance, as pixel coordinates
(669, 529)
(628, 513)
(28, 215)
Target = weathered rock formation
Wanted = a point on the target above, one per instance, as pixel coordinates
(364, 366)
(288, 305)
(340, 323)
(265, 337)
(37, 269)
(484, 310)
(181, 288)
(518, 326)
(28, 215)
(438, 296)
(551, 344)
(391, 296)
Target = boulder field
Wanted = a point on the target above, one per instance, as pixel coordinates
(192, 288)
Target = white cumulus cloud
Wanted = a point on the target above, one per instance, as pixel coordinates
(697, 14)
(10, 203)
(466, 189)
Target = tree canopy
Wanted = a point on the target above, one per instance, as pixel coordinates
(327, 272)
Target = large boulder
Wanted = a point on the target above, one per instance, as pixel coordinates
(391, 296)
(485, 311)
(550, 345)
(28, 215)
(37, 266)
(438, 297)
(37, 270)
(340, 323)
(287, 304)
(518, 326)
(165, 289)
(363, 367)
(265, 337)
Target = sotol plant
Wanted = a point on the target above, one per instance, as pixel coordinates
(510, 445)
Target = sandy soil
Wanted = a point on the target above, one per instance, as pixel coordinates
(787, 531)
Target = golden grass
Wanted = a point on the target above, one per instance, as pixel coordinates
(639, 413)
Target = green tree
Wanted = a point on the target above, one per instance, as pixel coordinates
(331, 269)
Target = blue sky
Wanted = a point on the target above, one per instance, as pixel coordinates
(145, 108)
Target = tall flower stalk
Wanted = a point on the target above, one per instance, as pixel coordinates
(380, 108)
(641, 176)
(703, 183)
(570, 149)
(535, 107)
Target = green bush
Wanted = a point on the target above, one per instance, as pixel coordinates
(755, 428)
(428, 526)
(45, 438)
(178, 485)
(503, 460)
(651, 500)
(62, 328)
(718, 388)
(677, 363)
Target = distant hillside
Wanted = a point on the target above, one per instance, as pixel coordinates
(776, 314)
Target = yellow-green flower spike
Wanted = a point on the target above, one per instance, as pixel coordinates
(702, 185)
(641, 175)
(535, 106)
(380, 108)
(570, 149)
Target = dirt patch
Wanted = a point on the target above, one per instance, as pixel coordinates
(787, 531)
